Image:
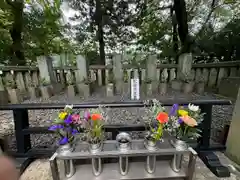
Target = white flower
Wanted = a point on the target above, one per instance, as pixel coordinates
(192, 107)
(68, 107)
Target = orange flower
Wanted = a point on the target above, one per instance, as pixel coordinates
(96, 117)
(189, 120)
(162, 117)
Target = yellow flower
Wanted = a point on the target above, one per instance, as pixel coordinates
(182, 112)
(62, 115)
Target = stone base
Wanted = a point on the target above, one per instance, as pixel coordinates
(155, 86)
(148, 89)
(163, 88)
(126, 88)
(84, 89)
(229, 87)
(177, 85)
(118, 87)
(188, 87)
(33, 92)
(110, 90)
(57, 88)
(3, 97)
(46, 91)
(71, 92)
(200, 88)
(15, 96)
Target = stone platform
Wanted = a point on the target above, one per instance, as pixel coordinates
(40, 170)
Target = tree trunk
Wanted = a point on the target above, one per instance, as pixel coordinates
(100, 33)
(181, 16)
(16, 34)
(174, 35)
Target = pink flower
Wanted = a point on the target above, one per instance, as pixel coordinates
(87, 115)
(76, 118)
(189, 121)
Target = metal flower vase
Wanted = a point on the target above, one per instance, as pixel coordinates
(69, 168)
(178, 157)
(96, 162)
(151, 160)
(123, 144)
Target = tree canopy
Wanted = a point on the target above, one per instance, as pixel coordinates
(95, 28)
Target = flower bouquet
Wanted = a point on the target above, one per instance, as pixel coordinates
(184, 121)
(156, 125)
(94, 128)
(67, 124)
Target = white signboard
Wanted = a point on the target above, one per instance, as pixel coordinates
(135, 94)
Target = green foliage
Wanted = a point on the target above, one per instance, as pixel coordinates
(43, 30)
(44, 82)
(136, 26)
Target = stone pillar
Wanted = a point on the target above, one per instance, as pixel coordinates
(118, 72)
(184, 65)
(233, 143)
(47, 73)
(56, 60)
(20, 82)
(46, 69)
(81, 74)
(63, 59)
(3, 94)
(108, 62)
(151, 69)
(82, 69)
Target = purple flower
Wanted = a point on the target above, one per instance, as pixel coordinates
(180, 121)
(155, 124)
(87, 115)
(55, 127)
(74, 131)
(173, 110)
(68, 120)
(63, 141)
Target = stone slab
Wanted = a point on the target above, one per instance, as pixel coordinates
(3, 97)
(233, 145)
(229, 87)
(57, 88)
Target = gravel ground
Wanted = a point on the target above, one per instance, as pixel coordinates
(221, 114)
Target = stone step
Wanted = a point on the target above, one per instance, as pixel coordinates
(22, 164)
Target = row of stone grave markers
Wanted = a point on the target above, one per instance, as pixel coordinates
(78, 80)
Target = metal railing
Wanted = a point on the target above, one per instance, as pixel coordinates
(23, 130)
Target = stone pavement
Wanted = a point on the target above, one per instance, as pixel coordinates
(40, 170)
